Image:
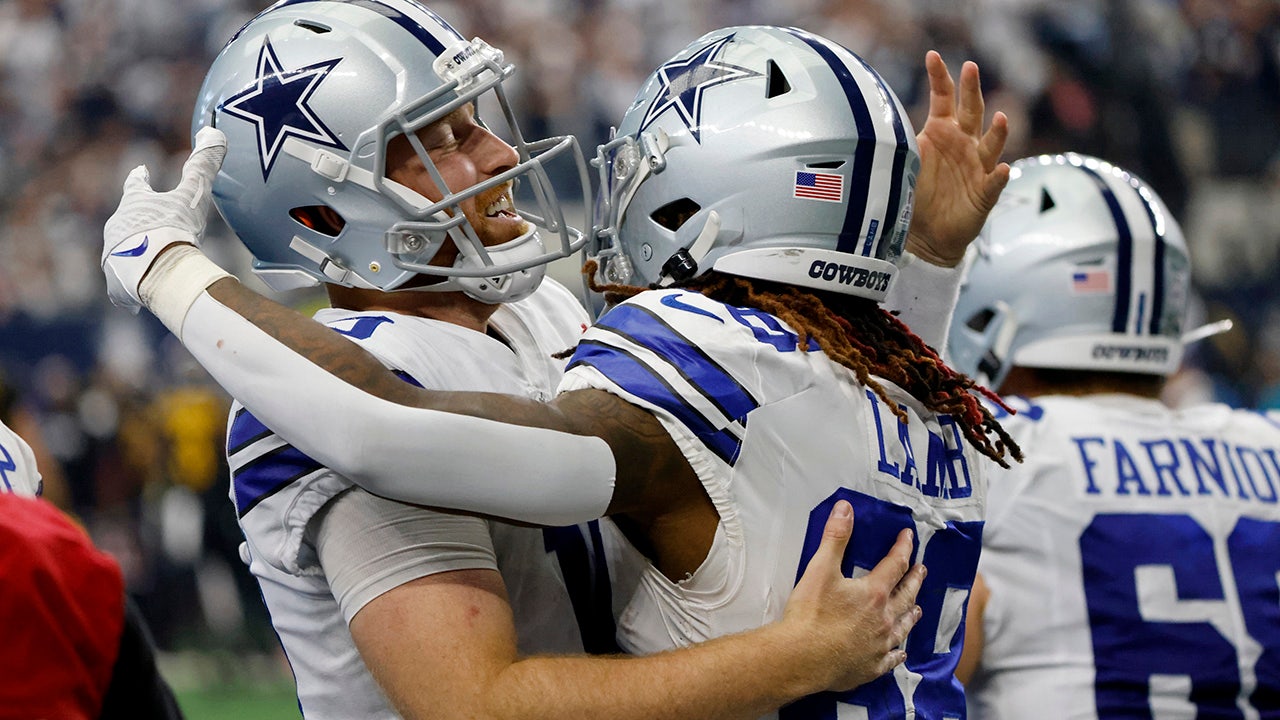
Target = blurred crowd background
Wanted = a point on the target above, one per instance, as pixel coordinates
(1185, 93)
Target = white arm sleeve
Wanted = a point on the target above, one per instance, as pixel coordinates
(924, 297)
(527, 474)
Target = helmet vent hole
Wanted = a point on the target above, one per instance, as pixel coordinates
(322, 219)
(828, 165)
(675, 213)
(313, 26)
(777, 84)
(979, 320)
(1046, 200)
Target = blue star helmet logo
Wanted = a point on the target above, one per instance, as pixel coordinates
(277, 105)
(685, 81)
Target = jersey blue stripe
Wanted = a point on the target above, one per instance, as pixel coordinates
(646, 329)
(579, 550)
(268, 473)
(271, 472)
(633, 376)
(424, 35)
(245, 430)
(864, 151)
(1124, 252)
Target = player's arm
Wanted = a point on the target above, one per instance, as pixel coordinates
(974, 635)
(548, 464)
(444, 647)
(960, 179)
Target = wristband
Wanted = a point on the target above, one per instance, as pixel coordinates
(178, 276)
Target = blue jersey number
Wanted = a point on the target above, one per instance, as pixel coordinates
(1129, 649)
(933, 647)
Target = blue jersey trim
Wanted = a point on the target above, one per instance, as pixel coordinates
(245, 430)
(647, 329)
(640, 380)
(268, 474)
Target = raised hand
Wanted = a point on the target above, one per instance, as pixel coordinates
(146, 222)
(961, 175)
(856, 627)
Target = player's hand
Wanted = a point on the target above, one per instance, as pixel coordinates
(961, 175)
(147, 222)
(856, 627)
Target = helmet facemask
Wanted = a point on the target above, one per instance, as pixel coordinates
(389, 233)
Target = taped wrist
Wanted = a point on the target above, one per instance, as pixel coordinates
(925, 297)
(180, 274)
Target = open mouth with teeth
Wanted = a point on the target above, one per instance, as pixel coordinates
(502, 206)
(501, 221)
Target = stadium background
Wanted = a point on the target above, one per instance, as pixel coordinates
(1185, 93)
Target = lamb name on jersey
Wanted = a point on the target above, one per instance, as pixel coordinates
(1132, 562)
(777, 436)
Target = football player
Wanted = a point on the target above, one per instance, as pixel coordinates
(762, 184)
(355, 157)
(1129, 566)
(18, 472)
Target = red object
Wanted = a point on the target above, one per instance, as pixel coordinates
(61, 614)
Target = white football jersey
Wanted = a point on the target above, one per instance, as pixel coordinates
(277, 491)
(777, 436)
(1133, 562)
(18, 473)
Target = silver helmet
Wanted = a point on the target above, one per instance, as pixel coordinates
(309, 93)
(1080, 267)
(764, 152)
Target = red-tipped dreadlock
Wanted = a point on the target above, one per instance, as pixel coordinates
(862, 336)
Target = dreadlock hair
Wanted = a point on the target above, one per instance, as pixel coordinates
(863, 337)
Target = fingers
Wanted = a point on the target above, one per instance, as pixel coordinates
(835, 537)
(893, 566)
(942, 101)
(902, 601)
(202, 166)
(991, 146)
(893, 659)
(138, 179)
(209, 137)
(972, 109)
(994, 183)
(206, 156)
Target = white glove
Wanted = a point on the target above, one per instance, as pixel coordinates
(147, 222)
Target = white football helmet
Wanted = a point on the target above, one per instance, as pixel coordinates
(764, 152)
(1079, 267)
(309, 94)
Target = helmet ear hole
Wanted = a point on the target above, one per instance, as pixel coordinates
(675, 213)
(978, 321)
(313, 26)
(777, 83)
(1046, 200)
(320, 218)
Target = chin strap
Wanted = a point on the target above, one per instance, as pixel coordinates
(684, 263)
